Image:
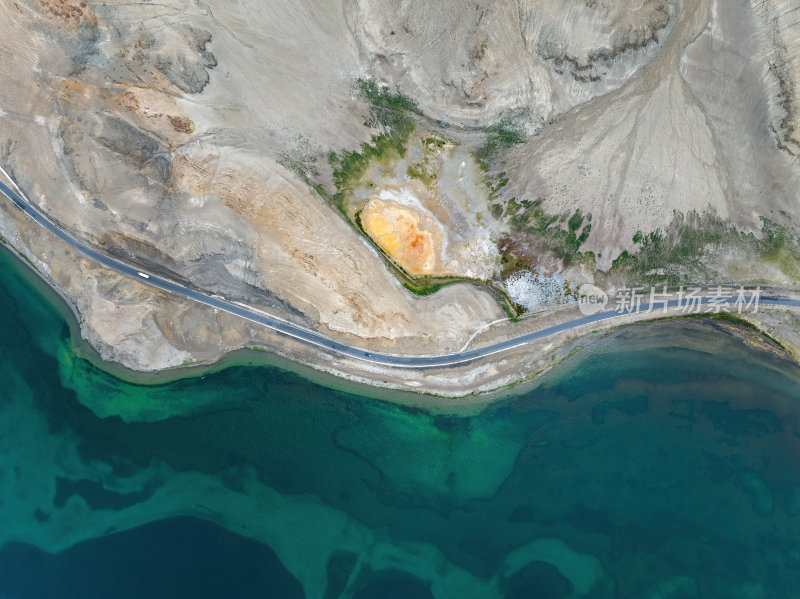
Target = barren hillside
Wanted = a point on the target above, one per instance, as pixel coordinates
(398, 173)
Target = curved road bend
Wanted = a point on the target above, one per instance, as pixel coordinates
(297, 332)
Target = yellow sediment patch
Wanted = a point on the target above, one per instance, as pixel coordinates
(156, 105)
(401, 233)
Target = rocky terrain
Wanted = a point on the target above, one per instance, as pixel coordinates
(337, 162)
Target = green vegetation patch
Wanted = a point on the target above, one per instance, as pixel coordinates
(423, 172)
(561, 235)
(510, 130)
(781, 248)
(665, 254)
(686, 251)
(434, 141)
(678, 252)
(427, 169)
(391, 112)
(428, 286)
(506, 132)
(349, 167)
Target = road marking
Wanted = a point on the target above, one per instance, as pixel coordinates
(481, 330)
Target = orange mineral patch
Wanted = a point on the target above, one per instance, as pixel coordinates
(399, 231)
(158, 107)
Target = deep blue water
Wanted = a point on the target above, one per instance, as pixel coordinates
(177, 557)
(662, 462)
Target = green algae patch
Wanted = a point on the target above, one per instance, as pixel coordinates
(106, 396)
(465, 462)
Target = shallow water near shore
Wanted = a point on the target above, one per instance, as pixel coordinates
(663, 462)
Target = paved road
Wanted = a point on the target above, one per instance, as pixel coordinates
(314, 338)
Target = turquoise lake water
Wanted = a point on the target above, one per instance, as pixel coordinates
(663, 462)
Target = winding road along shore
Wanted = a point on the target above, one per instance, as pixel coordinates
(321, 341)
